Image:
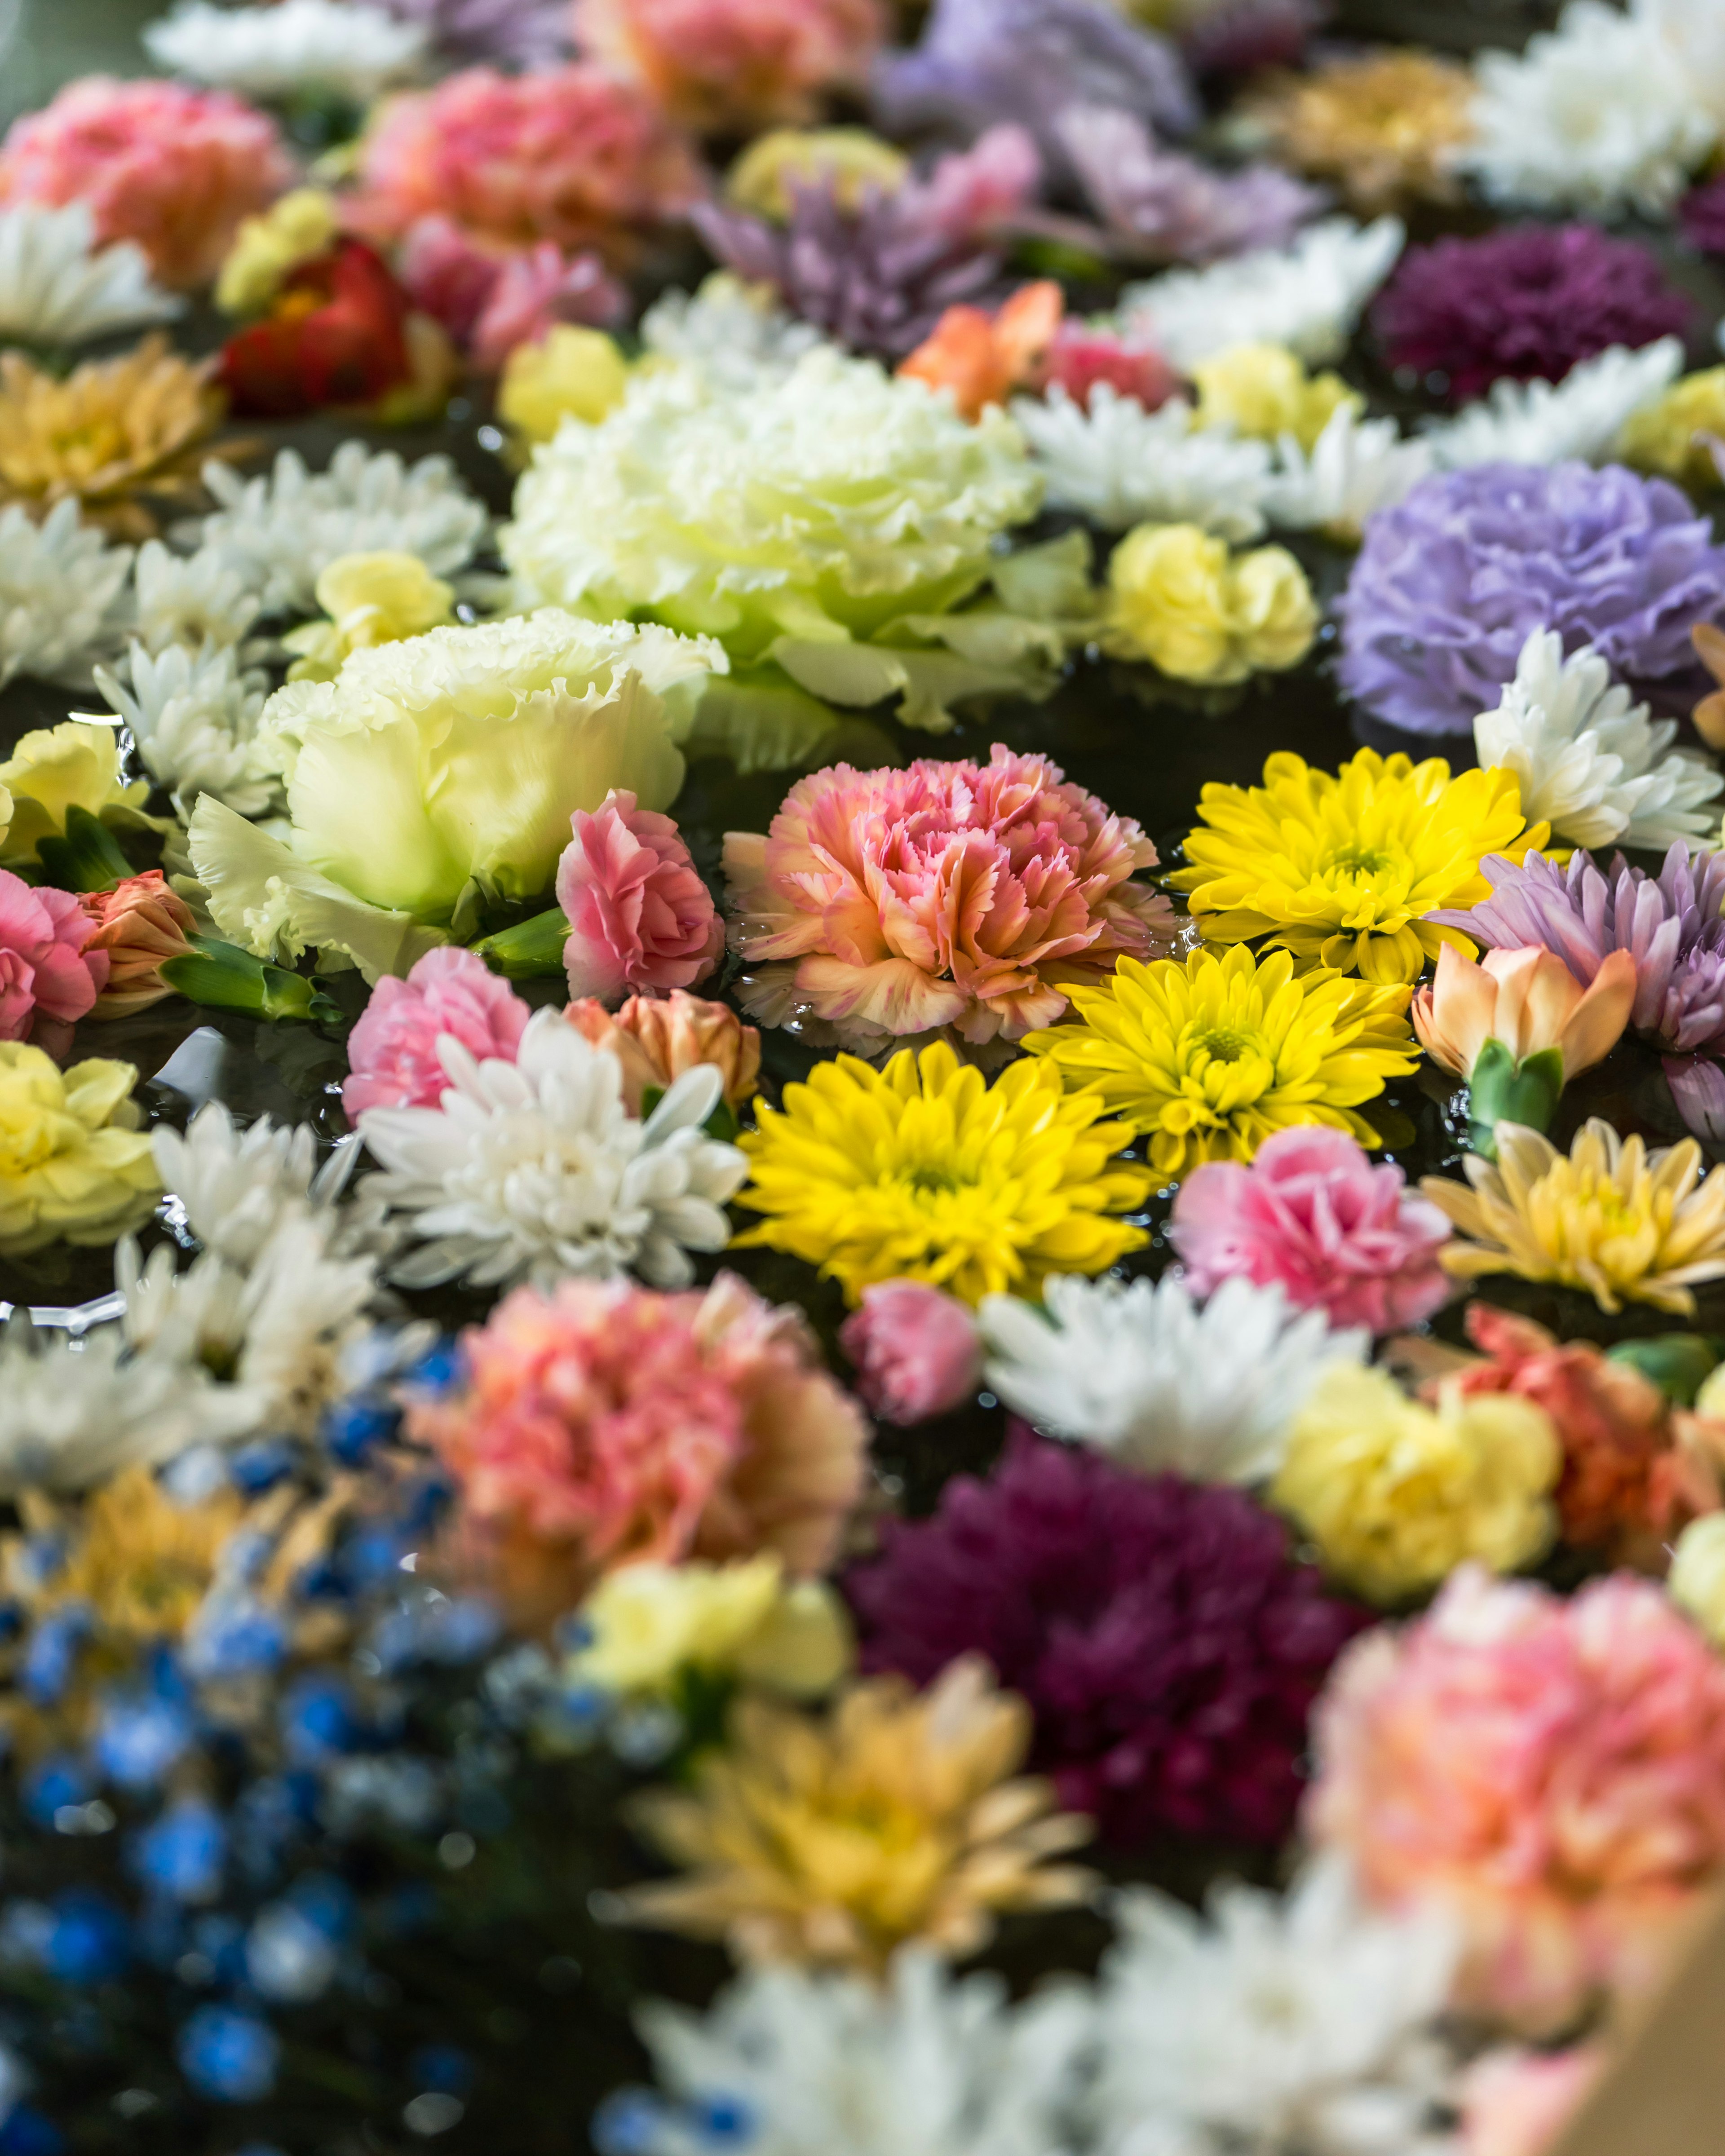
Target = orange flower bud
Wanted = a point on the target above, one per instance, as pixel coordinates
(140, 924)
(658, 1037)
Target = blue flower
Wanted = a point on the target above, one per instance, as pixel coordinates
(91, 1940)
(27, 2133)
(261, 1464)
(48, 1659)
(182, 1855)
(139, 1738)
(58, 1781)
(235, 1635)
(287, 1956)
(630, 2122)
(353, 1427)
(228, 2056)
(317, 1719)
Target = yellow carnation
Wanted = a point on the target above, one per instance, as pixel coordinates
(370, 599)
(1696, 1580)
(1263, 390)
(1671, 435)
(75, 765)
(571, 374)
(268, 249)
(1177, 597)
(855, 161)
(648, 1622)
(73, 1161)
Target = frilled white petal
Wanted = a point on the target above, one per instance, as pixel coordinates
(1118, 464)
(1544, 423)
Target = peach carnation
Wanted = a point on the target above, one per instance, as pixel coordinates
(573, 155)
(173, 168)
(736, 65)
(890, 902)
(1551, 1770)
(656, 1039)
(140, 924)
(639, 916)
(603, 1423)
(391, 1052)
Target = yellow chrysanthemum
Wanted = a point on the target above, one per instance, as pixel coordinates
(1387, 126)
(1212, 1055)
(1341, 870)
(1263, 390)
(73, 1163)
(924, 1171)
(1674, 434)
(1608, 1217)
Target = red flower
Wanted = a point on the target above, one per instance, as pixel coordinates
(336, 334)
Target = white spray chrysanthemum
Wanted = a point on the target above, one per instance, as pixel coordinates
(62, 595)
(1545, 422)
(189, 599)
(194, 718)
(57, 287)
(1355, 468)
(732, 331)
(1118, 464)
(297, 48)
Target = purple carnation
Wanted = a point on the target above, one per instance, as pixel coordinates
(1670, 924)
(1525, 303)
(1450, 584)
(1169, 1647)
(520, 33)
(1701, 213)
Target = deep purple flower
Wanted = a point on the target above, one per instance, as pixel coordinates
(520, 34)
(1240, 37)
(1670, 924)
(1701, 213)
(1161, 205)
(1169, 1646)
(1524, 304)
(1449, 585)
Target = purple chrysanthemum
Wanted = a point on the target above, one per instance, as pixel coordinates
(1670, 924)
(1159, 205)
(520, 33)
(1169, 1647)
(1525, 303)
(1448, 586)
(1701, 213)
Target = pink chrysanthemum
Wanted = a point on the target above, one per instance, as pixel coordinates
(173, 168)
(735, 65)
(890, 902)
(1554, 1770)
(574, 156)
(391, 1052)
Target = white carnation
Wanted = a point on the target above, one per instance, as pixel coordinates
(61, 588)
(1118, 464)
(1545, 422)
(1355, 468)
(57, 287)
(333, 48)
(194, 718)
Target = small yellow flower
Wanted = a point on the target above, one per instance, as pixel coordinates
(1672, 434)
(75, 765)
(1396, 1495)
(73, 1161)
(1264, 390)
(1341, 870)
(1214, 1055)
(1386, 126)
(1178, 599)
(1696, 1582)
(893, 1818)
(142, 1562)
(571, 374)
(370, 599)
(852, 158)
(648, 1622)
(924, 1171)
(301, 225)
(1608, 1217)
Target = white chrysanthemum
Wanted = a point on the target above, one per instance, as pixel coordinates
(1118, 464)
(532, 1170)
(232, 1189)
(1272, 2024)
(331, 47)
(804, 2064)
(57, 287)
(1545, 422)
(1308, 295)
(733, 332)
(1603, 114)
(282, 532)
(189, 599)
(1355, 468)
(1142, 1373)
(61, 588)
(1589, 759)
(194, 717)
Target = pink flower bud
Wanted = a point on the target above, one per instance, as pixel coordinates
(639, 916)
(391, 1052)
(917, 1352)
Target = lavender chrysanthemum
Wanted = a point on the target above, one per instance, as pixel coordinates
(518, 33)
(1671, 926)
(1169, 1647)
(1161, 205)
(1702, 214)
(1526, 305)
(1450, 584)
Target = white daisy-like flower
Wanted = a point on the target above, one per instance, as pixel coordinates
(61, 595)
(1144, 1373)
(1118, 464)
(189, 599)
(732, 331)
(1355, 468)
(194, 718)
(57, 287)
(282, 532)
(331, 47)
(1590, 760)
(1308, 295)
(1549, 423)
(533, 1170)
(1273, 2024)
(232, 1189)
(791, 2063)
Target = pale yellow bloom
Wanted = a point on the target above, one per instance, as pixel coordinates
(650, 1623)
(369, 599)
(1673, 434)
(570, 374)
(852, 158)
(1696, 1582)
(1178, 599)
(75, 765)
(1387, 125)
(1263, 390)
(73, 1162)
(1396, 1495)
(1530, 1001)
(1608, 1217)
(268, 249)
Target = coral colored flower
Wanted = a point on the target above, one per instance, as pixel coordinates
(970, 895)
(139, 924)
(983, 358)
(392, 1051)
(1529, 1000)
(1313, 1216)
(597, 1425)
(1551, 1770)
(1079, 356)
(657, 1038)
(336, 334)
(917, 1352)
(43, 934)
(736, 65)
(490, 299)
(639, 916)
(1517, 2103)
(173, 169)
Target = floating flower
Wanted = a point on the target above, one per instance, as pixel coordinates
(193, 714)
(518, 33)
(1211, 1056)
(1385, 127)
(981, 357)
(493, 300)
(1263, 390)
(639, 916)
(736, 65)
(1702, 214)
(62, 594)
(338, 333)
(1177, 597)
(1583, 416)
(1608, 1217)
(57, 287)
(73, 1164)
(924, 1171)
(767, 174)
(45, 935)
(1673, 434)
(597, 1426)
(1355, 468)
(392, 1051)
(304, 223)
(1697, 1580)
(570, 373)
(975, 895)
(898, 1817)
(137, 926)
(330, 49)
(369, 599)
(1518, 2102)
(649, 1624)
(656, 1039)
(1549, 1770)
(1709, 714)
(1118, 463)
(1313, 1216)
(173, 169)
(1083, 357)
(75, 765)
(1159, 1703)
(917, 1352)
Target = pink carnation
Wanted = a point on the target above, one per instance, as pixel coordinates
(917, 1352)
(1553, 1770)
(1517, 2103)
(492, 300)
(890, 902)
(573, 156)
(43, 965)
(1312, 1214)
(1079, 358)
(391, 1052)
(735, 65)
(639, 916)
(173, 168)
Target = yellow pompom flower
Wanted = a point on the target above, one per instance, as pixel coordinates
(1177, 597)
(569, 374)
(1625, 1225)
(852, 161)
(268, 249)
(75, 765)
(1212, 1055)
(1262, 390)
(1671, 435)
(647, 1624)
(1396, 1495)
(73, 1161)
(924, 1171)
(369, 599)
(1342, 870)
